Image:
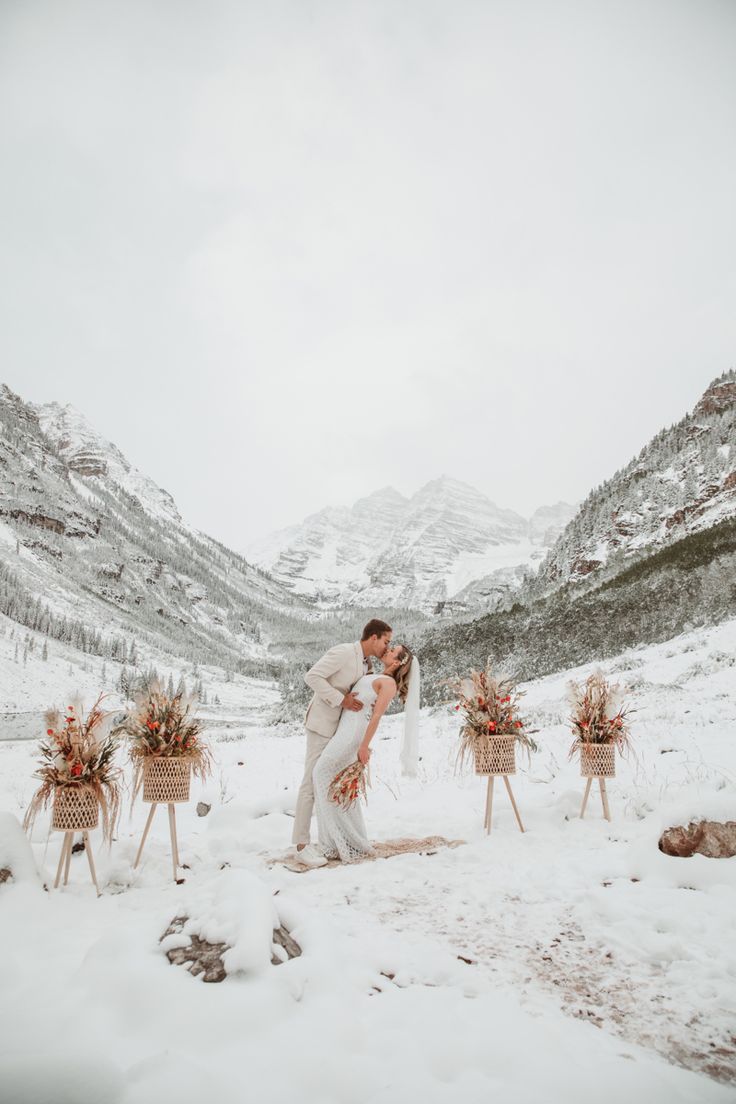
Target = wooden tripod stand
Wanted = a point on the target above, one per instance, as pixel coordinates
(66, 855)
(489, 802)
(604, 796)
(172, 833)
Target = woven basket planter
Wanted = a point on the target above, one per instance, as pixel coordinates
(597, 760)
(496, 755)
(76, 809)
(166, 780)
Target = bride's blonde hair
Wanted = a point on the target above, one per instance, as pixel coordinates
(401, 674)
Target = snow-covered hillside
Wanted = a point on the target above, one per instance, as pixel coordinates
(87, 454)
(37, 673)
(94, 554)
(572, 963)
(682, 481)
(416, 552)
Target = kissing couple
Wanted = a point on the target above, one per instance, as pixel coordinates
(342, 719)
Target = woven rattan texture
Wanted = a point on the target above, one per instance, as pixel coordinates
(597, 760)
(75, 809)
(166, 781)
(496, 756)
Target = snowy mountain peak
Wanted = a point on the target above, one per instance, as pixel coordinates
(90, 456)
(446, 487)
(719, 396)
(384, 494)
(389, 550)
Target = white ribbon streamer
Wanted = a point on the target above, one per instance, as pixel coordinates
(410, 745)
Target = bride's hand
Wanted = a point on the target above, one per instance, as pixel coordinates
(364, 754)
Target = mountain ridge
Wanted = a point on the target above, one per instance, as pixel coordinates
(682, 480)
(90, 548)
(416, 551)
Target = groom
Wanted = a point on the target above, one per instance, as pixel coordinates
(331, 679)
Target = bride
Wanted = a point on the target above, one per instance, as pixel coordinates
(342, 831)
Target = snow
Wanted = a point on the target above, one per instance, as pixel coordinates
(58, 1079)
(470, 566)
(325, 570)
(29, 687)
(598, 967)
(15, 851)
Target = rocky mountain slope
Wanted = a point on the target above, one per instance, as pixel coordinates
(88, 455)
(94, 553)
(651, 553)
(687, 584)
(447, 547)
(682, 481)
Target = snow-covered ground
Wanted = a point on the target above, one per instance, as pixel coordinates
(30, 683)
(572, 963)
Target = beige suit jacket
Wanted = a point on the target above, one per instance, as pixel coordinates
(331, 678)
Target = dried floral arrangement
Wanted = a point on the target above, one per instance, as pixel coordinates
(160, 726)
(598, 714)
(348, 785)
(490, 707)
(78, 752)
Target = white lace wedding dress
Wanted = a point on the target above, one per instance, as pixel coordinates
(342, 831)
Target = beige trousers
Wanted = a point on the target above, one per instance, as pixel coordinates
(316, 744)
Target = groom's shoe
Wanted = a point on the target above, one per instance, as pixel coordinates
(308, 856)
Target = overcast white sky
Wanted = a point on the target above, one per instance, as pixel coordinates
(284, 253)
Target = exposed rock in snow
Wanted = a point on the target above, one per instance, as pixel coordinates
(704, 837)
(199, 956)
(208, 959)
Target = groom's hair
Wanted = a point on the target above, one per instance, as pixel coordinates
(375, 628)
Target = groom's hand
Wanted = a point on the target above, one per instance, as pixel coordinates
(351, 702)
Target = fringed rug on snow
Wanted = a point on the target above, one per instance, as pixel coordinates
(385, 849)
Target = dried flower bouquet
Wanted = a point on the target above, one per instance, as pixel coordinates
(348, 785)
(77, 754)
(164, 728)
(490, 708)
(598, 714)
